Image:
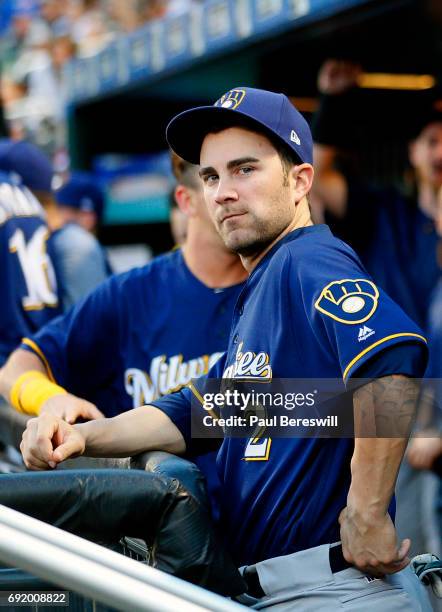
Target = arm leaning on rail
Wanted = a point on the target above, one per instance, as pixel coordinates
(49, 440)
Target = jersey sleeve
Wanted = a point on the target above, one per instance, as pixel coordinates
(185, 408)
(80, 349)
(353, 319)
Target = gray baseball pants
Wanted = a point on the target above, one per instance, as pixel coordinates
(304, 581)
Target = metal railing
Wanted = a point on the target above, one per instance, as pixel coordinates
(96, 572)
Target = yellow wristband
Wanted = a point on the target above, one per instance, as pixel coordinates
(31, 390)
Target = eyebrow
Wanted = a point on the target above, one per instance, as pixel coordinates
(231, 164)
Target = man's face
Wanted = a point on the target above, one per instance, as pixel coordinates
(246, 190)
(426, 155)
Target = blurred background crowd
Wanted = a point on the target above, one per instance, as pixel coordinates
(38, 37)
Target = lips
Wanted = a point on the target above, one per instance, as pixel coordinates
(231, 215)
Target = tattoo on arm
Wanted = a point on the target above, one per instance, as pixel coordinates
(385, 407)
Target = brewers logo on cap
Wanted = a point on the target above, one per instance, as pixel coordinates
(350, 301)
(232, 99)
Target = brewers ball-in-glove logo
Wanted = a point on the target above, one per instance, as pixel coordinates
(232, 99)
(350, 301)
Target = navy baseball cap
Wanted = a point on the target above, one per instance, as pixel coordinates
(28, 162)
(82, 192)
(269, 112)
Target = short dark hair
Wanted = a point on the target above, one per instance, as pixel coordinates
(184, 172)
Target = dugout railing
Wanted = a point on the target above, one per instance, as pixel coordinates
(73, 563)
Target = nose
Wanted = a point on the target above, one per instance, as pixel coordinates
(226, 191)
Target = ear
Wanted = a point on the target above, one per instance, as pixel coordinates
(184, 200)
(302, 179)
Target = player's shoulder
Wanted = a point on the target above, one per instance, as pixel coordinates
(161, 270)
(72, 235)
(17, 202)
(314, 252)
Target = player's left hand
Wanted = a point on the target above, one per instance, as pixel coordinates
(70, 408)
(370, 543)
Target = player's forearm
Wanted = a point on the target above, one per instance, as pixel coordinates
(384, 413)
(19, 362)
(142, 429)
(374, 469)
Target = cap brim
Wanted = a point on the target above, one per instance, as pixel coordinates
(186, 132)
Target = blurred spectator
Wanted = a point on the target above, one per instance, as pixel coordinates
(88, 28)
(79, 262)
(152, 9)
(54, 13)
(46, 84)
(45, 34)
(24, 44)
(123, 16)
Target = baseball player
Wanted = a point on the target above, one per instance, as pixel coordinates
(80, 200)
(27, 279)
(78, 260)
(138, 336)
(312, 518)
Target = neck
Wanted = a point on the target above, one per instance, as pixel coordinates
(302, 218)
(209, 260)
(427, 199)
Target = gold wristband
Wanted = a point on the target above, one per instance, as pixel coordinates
(31, 390)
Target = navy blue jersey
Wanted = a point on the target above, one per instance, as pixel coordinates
(27, 280)
(396, 243)
(308, 310)
(139, 335)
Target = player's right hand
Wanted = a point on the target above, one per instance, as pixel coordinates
(370, 543)
(49, 440)
(338, 76)
(71, 408)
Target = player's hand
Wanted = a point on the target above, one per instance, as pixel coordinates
(370, 544)
(338, 76)
(71, 408)
(49, 440)
(423, 450)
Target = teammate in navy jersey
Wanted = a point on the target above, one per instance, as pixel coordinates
(27, 280)
(140, 334)
(308, 310)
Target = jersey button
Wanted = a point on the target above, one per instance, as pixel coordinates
(241, 310)
(235, 339)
